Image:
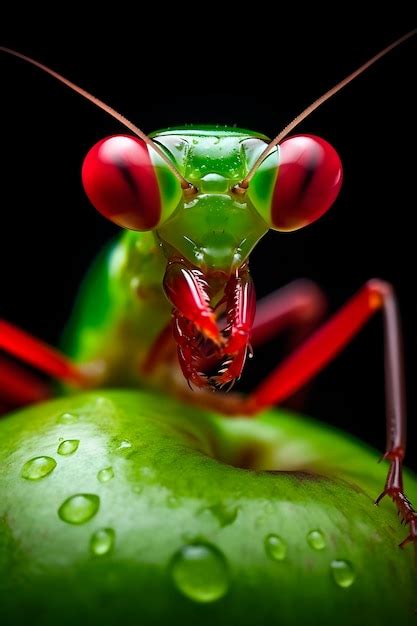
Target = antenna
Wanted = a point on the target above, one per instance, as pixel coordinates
(105, 107)
(317, 103)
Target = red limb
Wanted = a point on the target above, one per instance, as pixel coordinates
(240, 302)
(322, 347)
(187, 289)
(18, 387)
(38, 354)
(299, 305)
(240, 306)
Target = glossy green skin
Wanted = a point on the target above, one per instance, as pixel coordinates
(122, 308)
(177, 485)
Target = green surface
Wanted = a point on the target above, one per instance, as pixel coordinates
(165, 514)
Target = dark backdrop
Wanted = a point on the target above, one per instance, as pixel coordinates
(244, 75)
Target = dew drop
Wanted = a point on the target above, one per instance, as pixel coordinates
(67, 418)
(38, 467)
(200, 572)
(224, 513)
(124, 447)
(147, 472)
(69, 446)
(79, 509)
(316, 540)
(105, 474)
(102, 541)
(275, 547)
(343, 573)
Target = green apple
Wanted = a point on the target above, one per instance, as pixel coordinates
(130, 508)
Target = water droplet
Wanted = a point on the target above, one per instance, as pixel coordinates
(102, 541)
(173, 502)
(103, 404)
(138, 488)
(224, 513)
(79, 509)
(124, 448)
(38, 467)
(67, 418)
(105, 474)
(275, 547)
(147, 472)
(200, 572)
(343, 573)
(316, 540)
(68, 447)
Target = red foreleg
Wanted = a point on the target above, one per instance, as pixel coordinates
(187, 289)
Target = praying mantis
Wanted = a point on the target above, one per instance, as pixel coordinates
(172, 304)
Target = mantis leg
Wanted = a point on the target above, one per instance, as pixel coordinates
(321, 347)
(22, 386)
(298, 306)
(18, 387)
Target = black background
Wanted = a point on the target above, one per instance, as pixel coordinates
(238, 70)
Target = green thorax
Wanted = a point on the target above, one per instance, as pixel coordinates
(215, 230)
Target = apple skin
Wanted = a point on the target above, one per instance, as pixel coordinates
(178, 481)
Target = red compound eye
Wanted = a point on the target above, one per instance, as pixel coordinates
(121, 181)
(308, 182)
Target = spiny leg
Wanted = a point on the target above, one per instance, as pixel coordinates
(321, 348)
(26, 388)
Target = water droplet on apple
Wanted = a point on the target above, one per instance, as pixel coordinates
(199, 571)
(38, 467)
(316, 540)
(343, 573)
(67, 418)
(124, 445)
(105, 474)
(68, 447)
(275, 547)
(79, 509)
(102, 541)
(224, 513)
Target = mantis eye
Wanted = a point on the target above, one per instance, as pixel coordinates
(296, 183)
(129, 183)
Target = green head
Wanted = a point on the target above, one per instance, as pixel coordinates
(214, 228)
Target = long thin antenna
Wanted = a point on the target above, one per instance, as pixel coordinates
(105, 107)
(315, 105)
